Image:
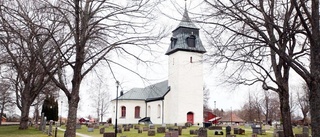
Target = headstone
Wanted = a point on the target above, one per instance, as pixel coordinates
(96, 126)
(106, 125)
(130, 125)
(41, 122)
(161, 129)
(145, 128)
(151, 132)
(172, 134)
(50, 128)
(192, 132)
(90, 129)
(202, 132)
(126, 128)
(78, 126)
(109, 134)
(139, 131)
(102, 130)
(119, 130)
(305, 130)
(44, 124)
(151, 126)
(180, 130)
(136, 127)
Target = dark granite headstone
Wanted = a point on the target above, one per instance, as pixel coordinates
(161, 129)
(102, 130)
(151, 132)
(202, 132)
(109, 134)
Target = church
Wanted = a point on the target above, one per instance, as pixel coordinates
(179, 99)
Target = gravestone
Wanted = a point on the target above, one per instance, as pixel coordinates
(151, 126)
(139, 131)
(130, 125)
(136, 127)
(161, 129)
(192, 132)
(44, 124)
(151, 132)
(202, 132)
(119, 130)
(96, 126)
(90, 129)
(109, 134)
(145, 128)
(180, 130)
(126, 128)
(102, 130)
(172, 134)
(50, 128)
(305, 130)
(78, 126)
(41, 122)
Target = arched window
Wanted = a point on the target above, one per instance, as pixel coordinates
(173, 42)
(123, 111)
(159, 111)
(191, 41)
(137, 112)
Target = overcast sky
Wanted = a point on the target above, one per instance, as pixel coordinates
(226, 96)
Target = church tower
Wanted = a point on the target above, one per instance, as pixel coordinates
(184, 102)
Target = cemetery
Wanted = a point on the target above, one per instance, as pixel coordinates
(142, 130)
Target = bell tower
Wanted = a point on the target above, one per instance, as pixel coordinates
(184, 102)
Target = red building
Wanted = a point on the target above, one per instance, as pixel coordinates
(210, 117)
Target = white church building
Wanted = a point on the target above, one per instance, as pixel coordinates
(177, 100)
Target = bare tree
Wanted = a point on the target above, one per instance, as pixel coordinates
(206, 97)
(24, 27)
(263, 39)
(101, 101)
(6, 99)
(251, 111)
(269, 104)
(92, 31)
(303, 102)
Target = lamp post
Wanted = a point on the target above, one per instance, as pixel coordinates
(116, 121)
(61, 114)
(215, 120)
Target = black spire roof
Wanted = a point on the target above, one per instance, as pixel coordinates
(183, 35)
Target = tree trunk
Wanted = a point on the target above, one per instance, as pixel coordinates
(314, 99)
(24, 119)
(72, 117)
(1, 114)
(285, 113)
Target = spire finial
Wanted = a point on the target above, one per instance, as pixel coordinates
(185, 4)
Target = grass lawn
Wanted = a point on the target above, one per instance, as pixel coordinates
(13, 131)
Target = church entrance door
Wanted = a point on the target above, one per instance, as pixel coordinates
(190, 117)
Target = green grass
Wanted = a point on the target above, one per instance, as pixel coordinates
(13, 131)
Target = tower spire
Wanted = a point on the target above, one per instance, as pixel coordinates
(186, 21)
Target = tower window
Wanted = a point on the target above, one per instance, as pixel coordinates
(173, 42)
(191, 41)
(190, 59)
(123, 112)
